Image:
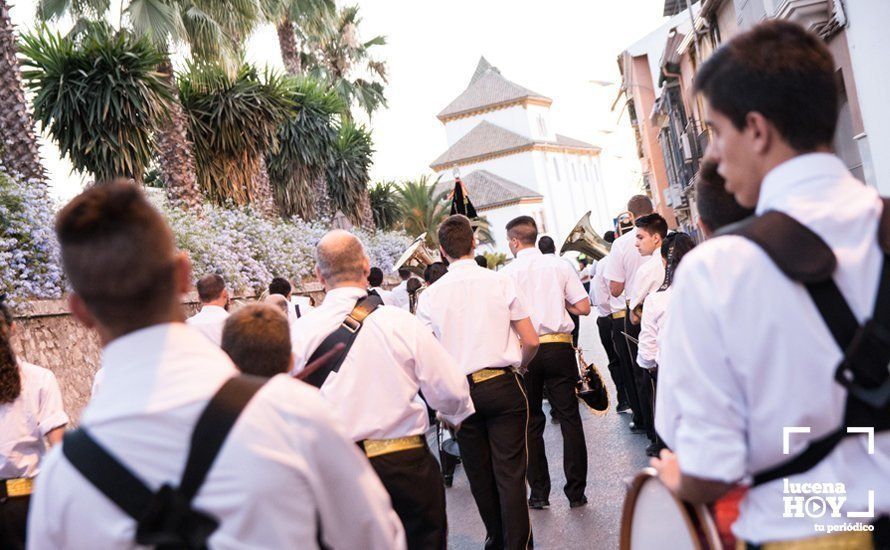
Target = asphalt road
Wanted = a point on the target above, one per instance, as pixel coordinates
(614, 454)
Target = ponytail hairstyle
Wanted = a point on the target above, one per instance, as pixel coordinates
(10, 376)
(675, 246)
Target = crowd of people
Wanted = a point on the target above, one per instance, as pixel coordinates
(289, 424)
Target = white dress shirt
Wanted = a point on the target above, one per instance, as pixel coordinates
(654, 309)
(284, 469)
(210, 322)
(648, 279)
(374, 395)
(624, 261)
(399, 295)
(25, 422)
(600, 295)
(304, 302)
(546, 283)
(384, 294)
(470, 310)
(745, 353)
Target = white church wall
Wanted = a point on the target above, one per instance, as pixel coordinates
(518, 168)
(538, 120)
(512, 118)
(499, 217)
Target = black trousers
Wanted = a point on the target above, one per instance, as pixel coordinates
(414, 484)
(645, 392)
(13, 522)
(555, 368)
(626, 370)
(493, 452)
(604, 324)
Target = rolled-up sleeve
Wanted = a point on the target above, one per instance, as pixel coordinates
(515, 298)
(709, 427)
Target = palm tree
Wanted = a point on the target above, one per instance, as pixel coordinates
(306, 142)
(348, 174)
(336, 55)
(213, 32)
(233, 122)
(19, 152)
(294, 21)
(423, 209)
(100, 97)
(385, 205)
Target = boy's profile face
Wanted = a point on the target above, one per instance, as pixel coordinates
(736, 154)
(647, 242)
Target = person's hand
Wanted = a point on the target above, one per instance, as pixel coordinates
(668, 469)
(454, 429)
(321, 361)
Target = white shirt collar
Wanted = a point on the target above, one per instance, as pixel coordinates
(213, 309)
(796, 177)
(530, 251)
(463, 264)
(346, 293)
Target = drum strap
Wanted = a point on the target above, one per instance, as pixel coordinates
(346, 334)
(804, 257)
(165, 518)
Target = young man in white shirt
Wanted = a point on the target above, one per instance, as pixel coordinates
(776, 377)
(480, 318)
(31, 420)
(552, 290)
(214, 298)
(624, 261)
(374, 392)
(608, 306)
(399, 296)
(286, 476)
(375, 285)
(651, 231)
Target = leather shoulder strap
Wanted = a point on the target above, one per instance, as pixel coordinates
(795, 249)
(346, 334)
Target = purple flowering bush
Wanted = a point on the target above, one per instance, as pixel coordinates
(29, 252)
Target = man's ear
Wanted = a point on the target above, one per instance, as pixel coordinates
(760, 131)
(78, 309)
(182, 269)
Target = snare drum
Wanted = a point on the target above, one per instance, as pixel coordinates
(654, 518)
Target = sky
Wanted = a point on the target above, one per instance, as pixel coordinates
(563, 49)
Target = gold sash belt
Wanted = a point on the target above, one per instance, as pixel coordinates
(555, 338)
(844, 540)
(482, 375)
(377, 447)
(19, 487)
(619, 315)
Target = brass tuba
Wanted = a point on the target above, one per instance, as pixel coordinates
(582, 238)
(590, 388)
(416, 258)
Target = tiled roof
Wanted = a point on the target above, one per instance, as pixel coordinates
(490, 139)
(487, 87)
(487, 190)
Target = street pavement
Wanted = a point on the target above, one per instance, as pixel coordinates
(613, 455)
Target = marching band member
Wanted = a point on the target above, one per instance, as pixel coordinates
(258, 341)
(624, 261)
(214, 308)
(650, 234)
(374, 393)
(552, 290)
(375, 285)
(31, 419)
(758, 346)
(286, 476)
(479, 317)
(607, 308)
(399, 296)
(548, 248)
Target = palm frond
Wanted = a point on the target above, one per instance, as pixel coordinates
(348, 173)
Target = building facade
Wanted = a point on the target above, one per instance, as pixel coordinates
(852, 30)
(502, 145)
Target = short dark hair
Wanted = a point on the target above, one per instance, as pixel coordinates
(280, 285)
(481, 261)
(546, 245)
(119, 255)
(654, 224)
(210, 287)
(257, 338)
(609, 236)
(375, 277)
(413, 286)
(524, 229)
(640, 205)
(404, 273)
(456, 236)
(781, 71)
(436, 270)
(716, 206)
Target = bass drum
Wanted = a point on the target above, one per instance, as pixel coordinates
(654, 519)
